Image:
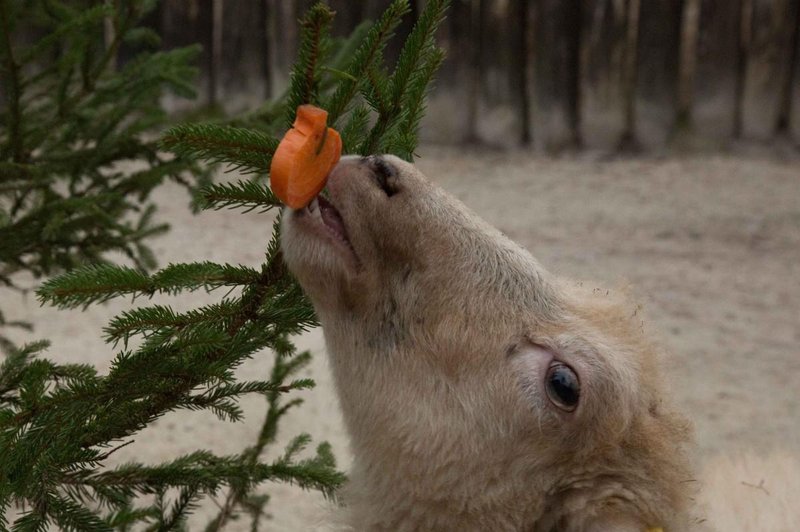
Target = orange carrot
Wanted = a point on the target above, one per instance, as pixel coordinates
(305, 157)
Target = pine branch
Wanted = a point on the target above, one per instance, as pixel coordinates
(245, 340)
(417, 46)
(414, 105)
(249, 195)
(314, 43)
(369, 53)
(77, 21)
(186, 501)
(14, 367)
(245, 150)
(355, 130)
(78, 118)
(283, 368)
(32, 521)
(318, 473)
(206, 472)
(343, 49)
(12, 171)
(5, 502)
(254, 505)
(387, 95)
(376, 90)
(192, 276)
(126, 515)
(71, 516)
(158, 318)
(63, 421)
(97, 284)
(93, 284)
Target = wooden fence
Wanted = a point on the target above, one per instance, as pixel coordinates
(553, 74)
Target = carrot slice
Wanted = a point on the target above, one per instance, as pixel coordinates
(304, 158)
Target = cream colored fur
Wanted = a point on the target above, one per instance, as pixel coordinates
(440, 331)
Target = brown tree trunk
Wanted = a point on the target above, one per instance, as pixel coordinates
(745, 34)
(785, 106)
(628, 140)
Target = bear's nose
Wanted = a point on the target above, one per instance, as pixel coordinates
(374, 170)
(384, 173)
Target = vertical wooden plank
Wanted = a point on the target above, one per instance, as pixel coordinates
(474, 100)
(446, 118)
(574, 30)
(658, 58)
(282, 39)
(475, 70)
(505, 68)
(717, 59)
(629, 139)
(266, 63)
(745, 36)
(690, 28)
(493, 27)
(767, 66)
(602, 59)
(794, 112)
(791, 76)
(215, 71)
(557, 63)
(521, 68)
(454, 37)
(242, 54)
(185, 22)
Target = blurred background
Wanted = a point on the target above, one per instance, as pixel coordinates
(552, 74)
(698, 101)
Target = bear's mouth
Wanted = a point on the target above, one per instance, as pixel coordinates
(324, 211)
(328, 221)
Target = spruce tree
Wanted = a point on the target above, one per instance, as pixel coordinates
(60, 422)
(73, 127)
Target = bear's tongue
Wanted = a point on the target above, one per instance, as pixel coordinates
(331, 218)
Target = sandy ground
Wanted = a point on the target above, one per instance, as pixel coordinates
(711, 244)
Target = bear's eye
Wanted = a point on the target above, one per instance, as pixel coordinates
(563, 387)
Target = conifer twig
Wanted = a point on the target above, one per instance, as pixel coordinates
(418, 54)
(249, 195)
(62, 421)
(365, 57)
(303, 79)
(266, 436)
(244, 149)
